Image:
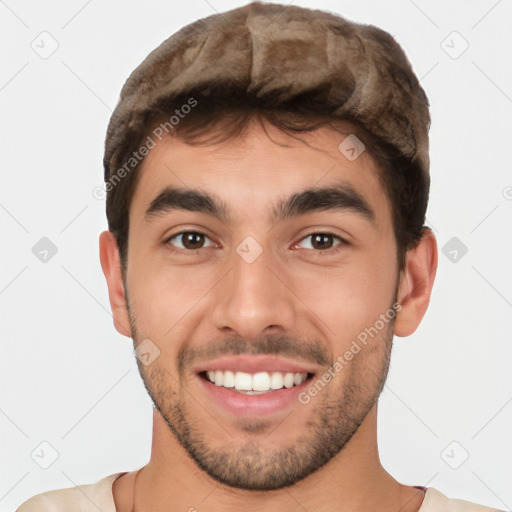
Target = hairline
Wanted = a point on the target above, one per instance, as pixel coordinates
(334, 124)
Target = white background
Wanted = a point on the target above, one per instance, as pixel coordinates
(68, 378)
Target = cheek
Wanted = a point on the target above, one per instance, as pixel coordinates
(350, 298)
(164, 298)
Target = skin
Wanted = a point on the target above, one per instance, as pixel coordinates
(290, 290)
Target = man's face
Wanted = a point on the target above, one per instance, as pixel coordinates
(259, 292)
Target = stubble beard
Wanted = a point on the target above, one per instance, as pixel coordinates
(338, 411)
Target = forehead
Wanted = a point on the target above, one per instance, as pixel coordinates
(254, 172)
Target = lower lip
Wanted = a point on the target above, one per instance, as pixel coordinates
(241, 404)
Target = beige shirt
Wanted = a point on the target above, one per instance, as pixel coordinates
(98, 496)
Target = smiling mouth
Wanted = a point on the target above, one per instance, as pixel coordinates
(259, 383)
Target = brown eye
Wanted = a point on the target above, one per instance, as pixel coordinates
(192, 240)
(189, 240)
(321, 241)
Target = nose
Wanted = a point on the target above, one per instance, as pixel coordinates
(253, 298)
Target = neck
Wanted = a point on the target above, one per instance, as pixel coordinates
(354, 480)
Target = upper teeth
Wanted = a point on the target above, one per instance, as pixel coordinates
(262, 381)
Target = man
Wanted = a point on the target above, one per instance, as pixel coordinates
(267, 177)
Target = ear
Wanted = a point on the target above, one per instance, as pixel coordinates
(416, 281)
(110, 263)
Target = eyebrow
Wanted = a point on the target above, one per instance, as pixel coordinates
(335, 198)
(341, 197)
(172, 198)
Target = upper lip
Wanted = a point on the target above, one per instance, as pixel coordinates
(255, 364)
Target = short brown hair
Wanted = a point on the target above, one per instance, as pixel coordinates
(296, 68)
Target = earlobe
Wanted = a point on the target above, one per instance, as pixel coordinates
(110, 264)
(416, 283)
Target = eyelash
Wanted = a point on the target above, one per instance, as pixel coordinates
(192, 252)
(325, 252)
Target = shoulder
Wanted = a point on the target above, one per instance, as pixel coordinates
(81, 498)
(436, 501)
